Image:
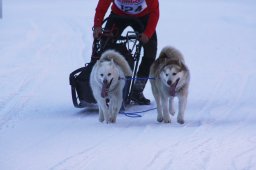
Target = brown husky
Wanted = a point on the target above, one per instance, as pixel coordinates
(171, 79)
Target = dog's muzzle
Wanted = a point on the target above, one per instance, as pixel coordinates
(105, 88)
(173, 86)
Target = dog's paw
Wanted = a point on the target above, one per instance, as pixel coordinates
(172, 113)
(180, 121)
(167, 120)
(112, 120)
(101, 119)
(160, 118)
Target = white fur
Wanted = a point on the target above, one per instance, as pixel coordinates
(111, 65)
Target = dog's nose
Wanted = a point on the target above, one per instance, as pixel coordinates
(105, 81)
(169, 82)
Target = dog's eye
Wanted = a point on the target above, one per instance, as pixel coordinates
(167, 74)
(109, 74)
(101, 75)
(174, 74)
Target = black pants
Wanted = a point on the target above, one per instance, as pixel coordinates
(138, 25)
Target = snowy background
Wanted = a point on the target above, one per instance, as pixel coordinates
(42, 41)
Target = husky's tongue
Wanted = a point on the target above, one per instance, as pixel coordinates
(173, 87)
(105, 88)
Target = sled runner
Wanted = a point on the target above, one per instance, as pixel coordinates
(128, 45)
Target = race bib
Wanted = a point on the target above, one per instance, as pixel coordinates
(131, 6)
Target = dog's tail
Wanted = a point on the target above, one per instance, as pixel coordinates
(171, 53)
(118, 59)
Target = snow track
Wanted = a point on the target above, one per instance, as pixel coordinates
(42, 42)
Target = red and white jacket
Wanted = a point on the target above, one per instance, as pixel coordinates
(136, 8)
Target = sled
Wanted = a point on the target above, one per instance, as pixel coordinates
(127, 44)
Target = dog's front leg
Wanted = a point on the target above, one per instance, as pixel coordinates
(166, 114)
(103, 110)
(171, 106)
(158, 102)
(159, 108)
(182, 107)
(115, 104)
(113, 111)
(106, 115)
(101, 116)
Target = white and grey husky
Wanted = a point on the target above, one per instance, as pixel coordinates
(171, 79)
(107, 84)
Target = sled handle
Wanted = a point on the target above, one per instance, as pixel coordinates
(141, 26)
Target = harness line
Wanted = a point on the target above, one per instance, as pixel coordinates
(137, 78)
(136, 114)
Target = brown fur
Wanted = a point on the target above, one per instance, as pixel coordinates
(169, 58)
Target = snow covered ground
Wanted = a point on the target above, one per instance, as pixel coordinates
(42, 41)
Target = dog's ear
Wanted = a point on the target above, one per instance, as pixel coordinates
(163, 55)
(98, 63)
(180, 63)
(112, 61)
